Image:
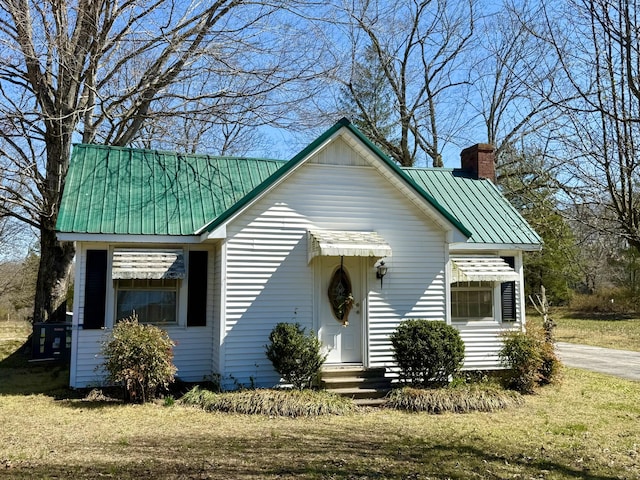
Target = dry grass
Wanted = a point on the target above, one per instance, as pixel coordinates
(282, 403)
(587, 427)
(462, 399)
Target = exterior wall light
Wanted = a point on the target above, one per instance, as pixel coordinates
(381, 271)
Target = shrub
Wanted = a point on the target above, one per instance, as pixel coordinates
(531, 359)
(140, 358)
(427, 352)
(460, 399)
(294, 355)
(283, 403)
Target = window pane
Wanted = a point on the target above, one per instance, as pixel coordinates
(151, 306)
(471, 300)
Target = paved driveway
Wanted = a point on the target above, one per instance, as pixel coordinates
(620, 363)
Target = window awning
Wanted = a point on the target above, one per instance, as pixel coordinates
(476, 269)
(151, 264)
(346, 244)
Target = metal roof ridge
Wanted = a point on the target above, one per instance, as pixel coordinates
(174, 152)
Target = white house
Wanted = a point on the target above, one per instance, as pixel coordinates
(218, 250)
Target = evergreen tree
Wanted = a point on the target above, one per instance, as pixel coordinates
(527, 182)
(367, 100)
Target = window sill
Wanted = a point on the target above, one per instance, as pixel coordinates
(479, 322)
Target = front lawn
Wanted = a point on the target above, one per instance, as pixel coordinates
(587, 427)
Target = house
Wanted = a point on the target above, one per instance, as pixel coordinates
(218, 250)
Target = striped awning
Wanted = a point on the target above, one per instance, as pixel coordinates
(476, 269)
(346, 244)
(150, 264)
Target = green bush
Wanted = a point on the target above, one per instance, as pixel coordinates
(140, 358)
(427, 352)
(531, 359)
(294, 355)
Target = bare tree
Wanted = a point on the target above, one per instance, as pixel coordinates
(99, 70)
(599, 51)
(418, 46)
(514, 81)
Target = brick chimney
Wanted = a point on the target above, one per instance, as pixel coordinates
(479, 161)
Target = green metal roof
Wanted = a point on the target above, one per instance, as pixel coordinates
(114, 190)
(478, 204)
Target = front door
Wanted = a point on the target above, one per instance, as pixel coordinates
(340, 317)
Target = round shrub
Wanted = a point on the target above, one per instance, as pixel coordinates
(294, 355)
(427, 352)
(530, 358)
(140, 358)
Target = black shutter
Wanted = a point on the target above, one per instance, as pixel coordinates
(197, 294)
(508, 290)
(95, 289)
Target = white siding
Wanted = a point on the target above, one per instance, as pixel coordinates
(194, 351)
(483, 340)
(482, 343)
(340, 152)
(269, 279)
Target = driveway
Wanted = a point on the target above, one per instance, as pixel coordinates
(621, 363)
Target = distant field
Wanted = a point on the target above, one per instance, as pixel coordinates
(610, 332)
(12, 335)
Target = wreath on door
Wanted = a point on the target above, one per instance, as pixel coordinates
(341, 295)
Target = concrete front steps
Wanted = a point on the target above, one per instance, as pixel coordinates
(366, 386)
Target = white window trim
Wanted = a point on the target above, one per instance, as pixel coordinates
(494, 288)
(176, 288)
(111, 309)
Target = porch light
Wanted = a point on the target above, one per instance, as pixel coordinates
(381, 271)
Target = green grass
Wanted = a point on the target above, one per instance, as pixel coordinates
(587, 427)
(609, 331)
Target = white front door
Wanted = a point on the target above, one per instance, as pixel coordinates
(341, 338)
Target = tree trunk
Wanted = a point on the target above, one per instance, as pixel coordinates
(56, 259)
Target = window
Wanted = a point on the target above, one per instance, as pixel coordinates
(472, 300)
(154, 301)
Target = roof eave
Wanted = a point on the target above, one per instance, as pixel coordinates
(125, 238)
(471, 246)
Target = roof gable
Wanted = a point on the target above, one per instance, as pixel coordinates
(317, 144)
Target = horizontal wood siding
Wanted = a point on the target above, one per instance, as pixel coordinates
(194, 350)
(483, 341)
(215, 274)
(269, 279)
(192, 355)
(482, 344)
(339, 152)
